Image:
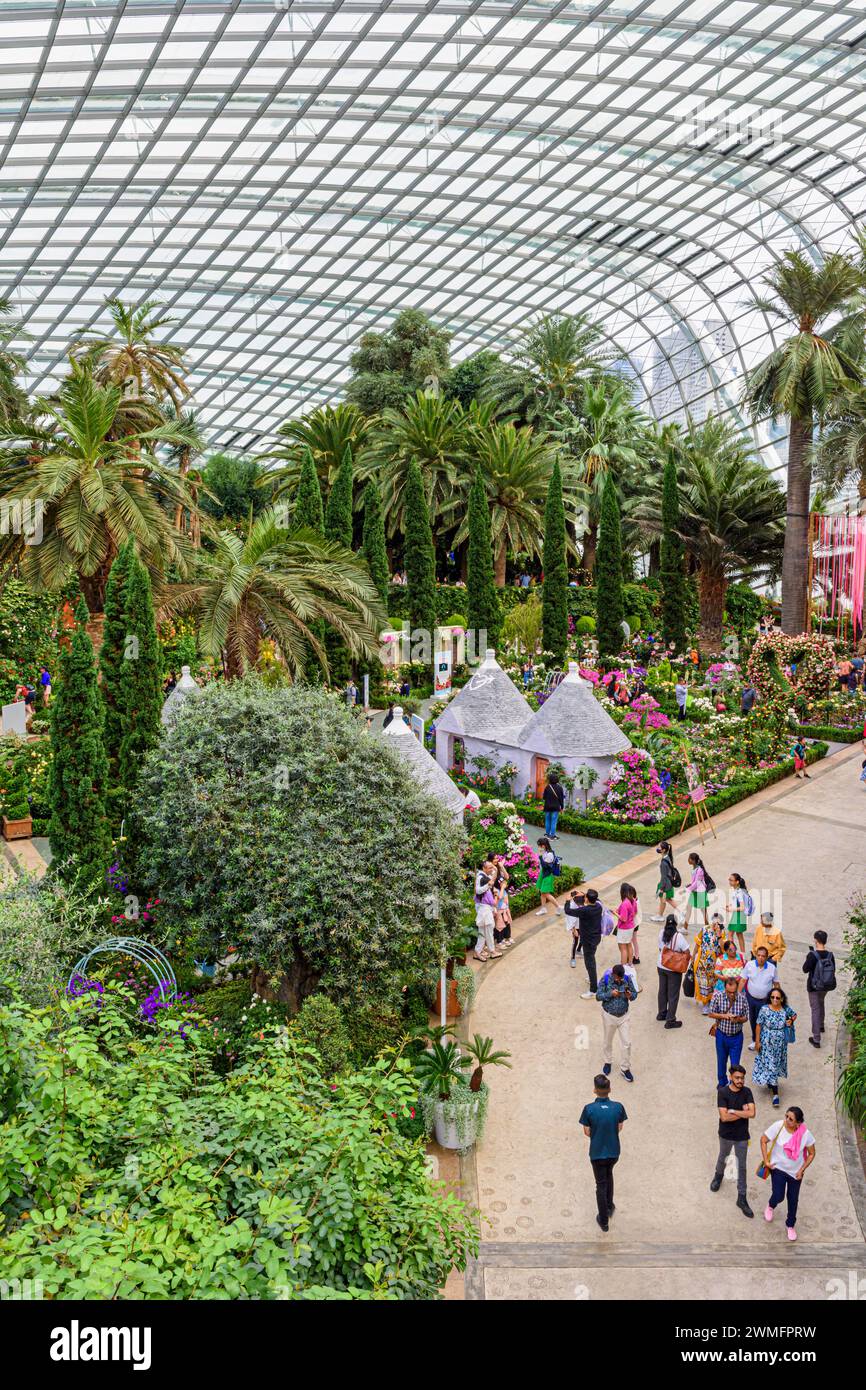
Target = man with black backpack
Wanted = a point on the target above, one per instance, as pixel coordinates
(819, 967)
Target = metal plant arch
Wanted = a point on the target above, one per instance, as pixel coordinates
(144, 952)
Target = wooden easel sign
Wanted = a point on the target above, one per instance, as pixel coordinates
(697, 800)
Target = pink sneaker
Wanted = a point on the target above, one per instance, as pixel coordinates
(792, 1234)
(768, 1213)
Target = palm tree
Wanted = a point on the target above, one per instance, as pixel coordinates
(839, 453)
(283, 586)
(181, 456)
(799, 380)
(516, 465)
(327, 432)
(606, 436)
(13, 401)
(732, 516)
(131, 359)
(95, 489)
(551, 363)
(431, 429)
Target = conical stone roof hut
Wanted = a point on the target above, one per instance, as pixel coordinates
(571, 724)
(423, 766)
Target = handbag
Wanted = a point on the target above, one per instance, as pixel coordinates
(689, 983)
(763, 1169)
(677, 961)
(790, 1034)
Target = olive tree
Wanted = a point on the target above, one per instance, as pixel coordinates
(269, 820)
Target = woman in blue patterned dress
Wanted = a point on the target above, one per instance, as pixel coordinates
(771, 1041)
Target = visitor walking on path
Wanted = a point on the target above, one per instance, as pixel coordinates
(625, 918)
(673, 962)
(729, 1013)
(602, 1120)
(788, 1149)
(615, 992)
(768, 935)
(554, 800)
(588, 912)
(572, 923)
(485, 946)
(669, 879)
(736, 1107)
(758, 977)
(740, 908)
(819, 967)
(748, 698)
(681, 695)
(798, 753)
(775, 1029)
(700, 887)
(708, 945)
(548, 868)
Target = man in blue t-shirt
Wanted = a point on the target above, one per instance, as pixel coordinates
(602, 1121)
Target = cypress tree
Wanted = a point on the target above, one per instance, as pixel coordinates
(608, 574)
(419, 557)
(484, 608)
(373, 542)
(111, 661)
(338, 513)
(308, 499)
(672, 562)
(78, 829)
(141, 685)
(554, 608)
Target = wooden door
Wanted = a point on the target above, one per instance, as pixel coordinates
(541, 766)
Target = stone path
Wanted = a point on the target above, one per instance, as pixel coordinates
(798, 843)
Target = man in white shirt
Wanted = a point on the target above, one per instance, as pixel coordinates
(756, 981)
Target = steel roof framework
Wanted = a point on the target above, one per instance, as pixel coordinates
(288, 176)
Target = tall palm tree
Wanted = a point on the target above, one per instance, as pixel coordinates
(799, 380)
(840, 451)
(13, 401)
(327, 432)
(608, 435)
(516, 465)
(96, 489)
(131, 358)
(732, 516)
(283, 586)
(181, 455)
(431, 429)
(550, 364)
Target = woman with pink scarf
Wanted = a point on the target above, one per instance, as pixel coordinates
(788, 1148)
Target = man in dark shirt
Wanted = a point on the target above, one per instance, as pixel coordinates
(819, 967)
(554, 800)
(602, 1121)
(736, 1107)
(586, 914)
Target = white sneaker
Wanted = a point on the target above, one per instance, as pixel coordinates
(559, 911)
(573, 964)
(588, 994)
(541, 912)
(751, 1047)
(656, 918)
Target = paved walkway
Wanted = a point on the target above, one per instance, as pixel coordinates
(799, 843)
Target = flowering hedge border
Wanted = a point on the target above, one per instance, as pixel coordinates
(631, 833)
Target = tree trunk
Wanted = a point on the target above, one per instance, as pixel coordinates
(295, 984)
(499, 565)
(655, 557)
(795, 561)
(183, 470)
(712, 587)
(590, 547)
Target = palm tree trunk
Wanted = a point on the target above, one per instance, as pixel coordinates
(712, 587)
(183, 470)
(590, 547)
(795, 561)
(499, 565)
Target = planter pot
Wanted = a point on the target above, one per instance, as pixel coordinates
(452, 1006)
(446, 1130)
(18, 829)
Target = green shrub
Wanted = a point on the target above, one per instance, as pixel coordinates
(585, 626)
(45, 927)
(372, 1030)
(321, 1025)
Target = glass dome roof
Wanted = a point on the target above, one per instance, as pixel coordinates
(286, 176)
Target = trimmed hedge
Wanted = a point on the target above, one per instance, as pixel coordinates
(827, 734)
(628, 833)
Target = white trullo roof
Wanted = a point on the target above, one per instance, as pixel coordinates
(572, 724)
(423, 766)
(489, 707)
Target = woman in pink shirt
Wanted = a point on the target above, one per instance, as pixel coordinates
(625, 918)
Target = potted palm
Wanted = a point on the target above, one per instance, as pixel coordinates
(456, 1109)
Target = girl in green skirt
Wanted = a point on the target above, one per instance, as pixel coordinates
(739, 907)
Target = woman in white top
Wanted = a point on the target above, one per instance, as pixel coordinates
(670, 980)
(788, 1148)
